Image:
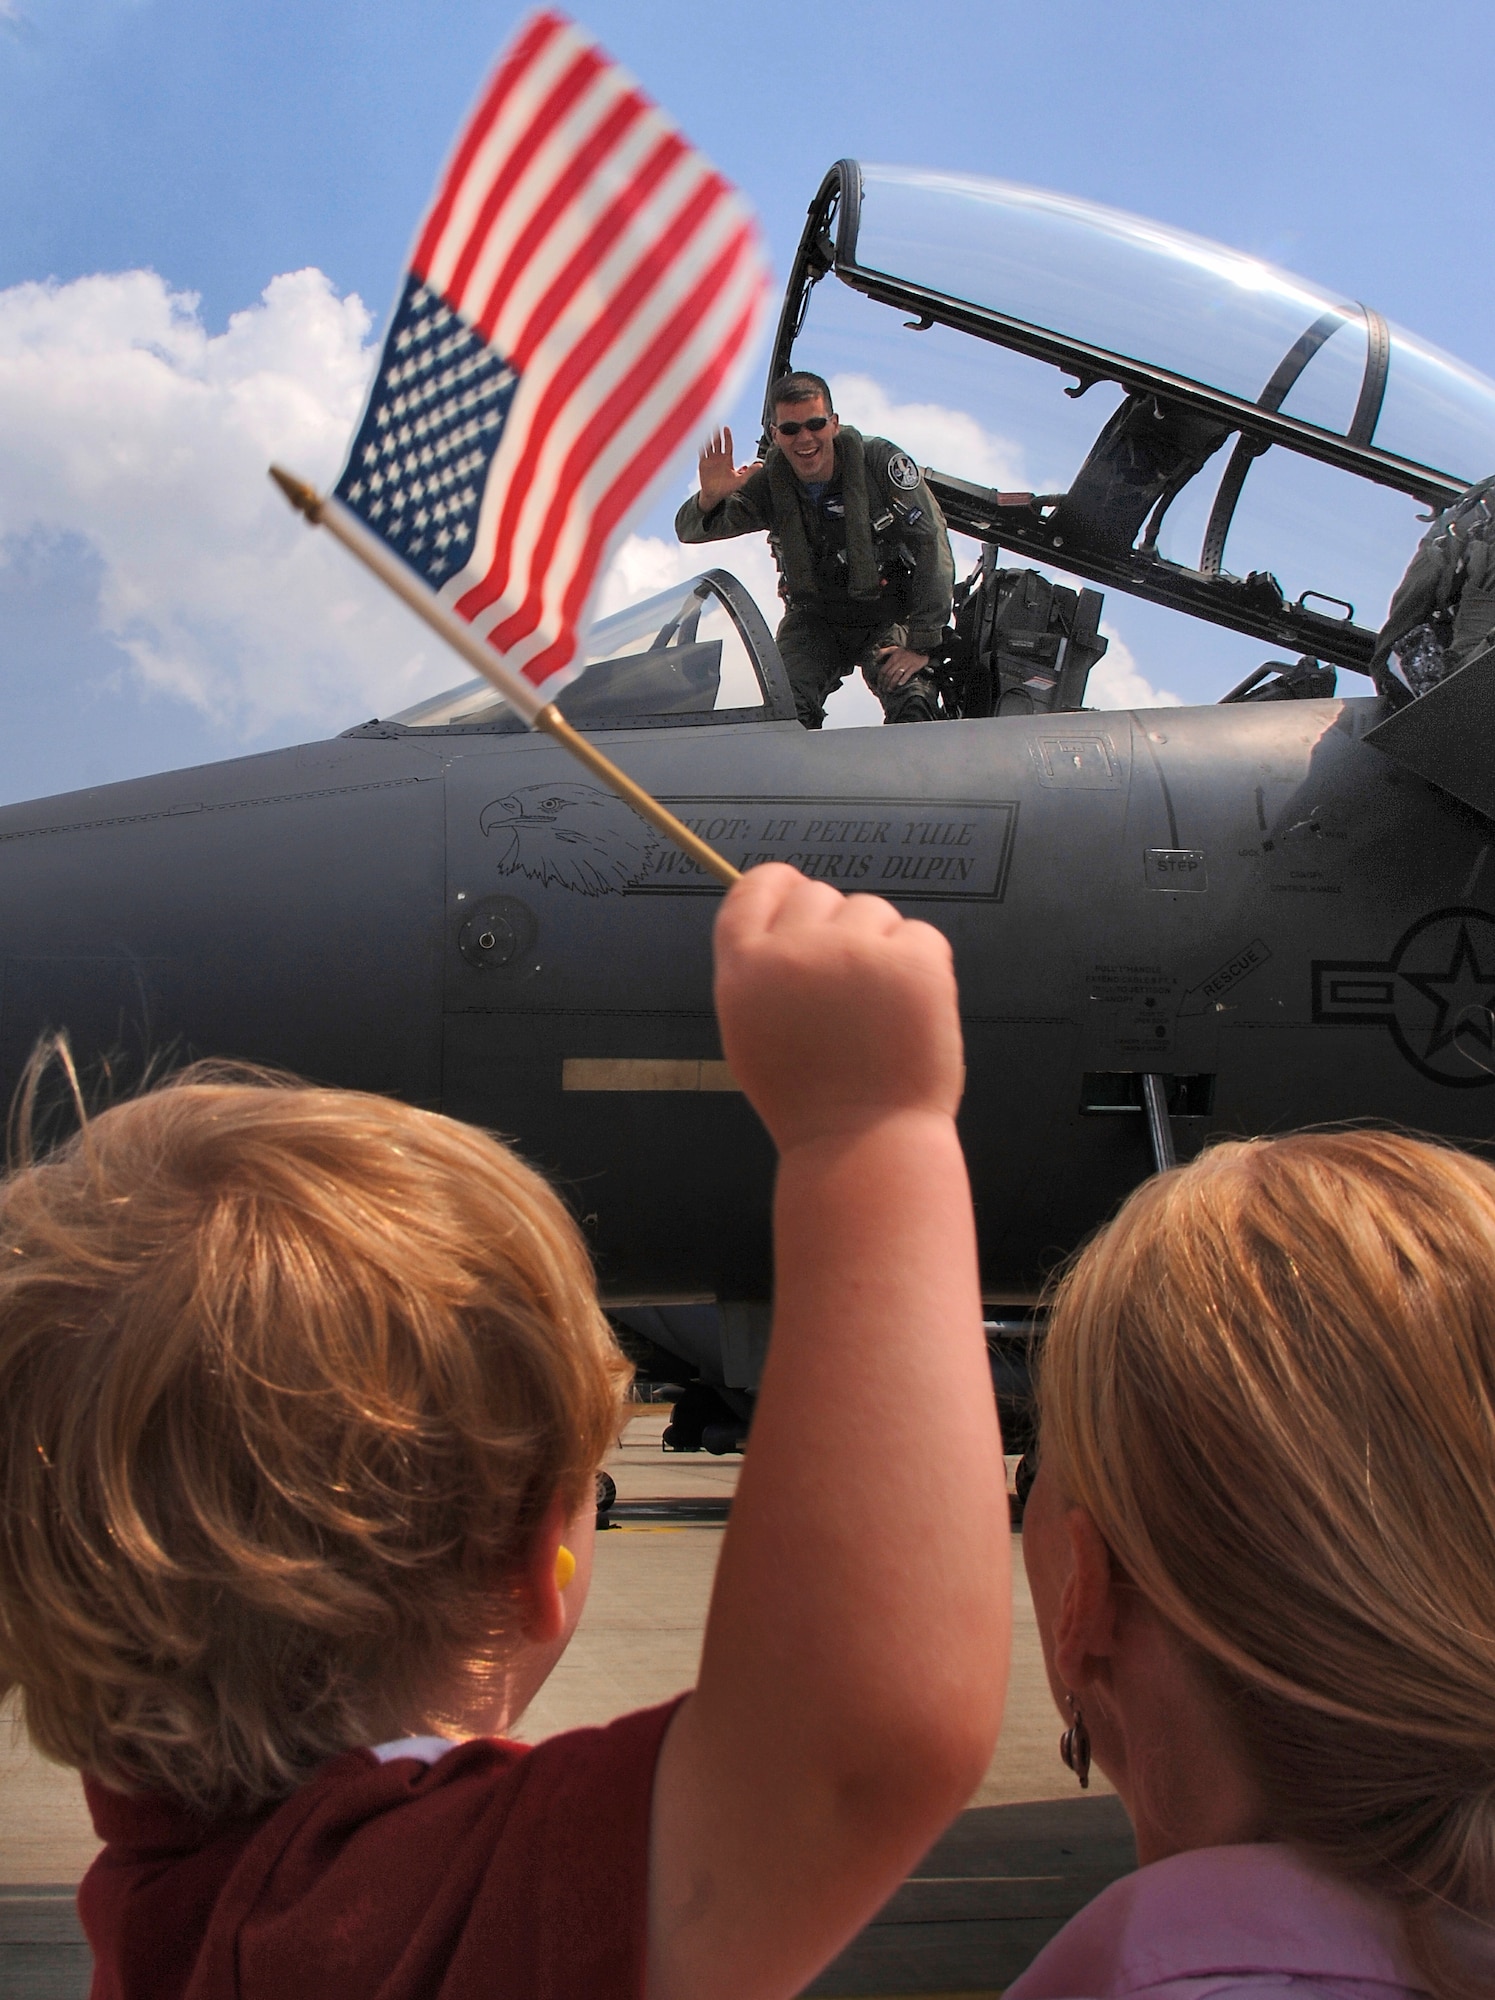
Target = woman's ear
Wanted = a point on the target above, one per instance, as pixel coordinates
(1085, 1630)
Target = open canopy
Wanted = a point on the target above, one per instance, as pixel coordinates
(1200, 347)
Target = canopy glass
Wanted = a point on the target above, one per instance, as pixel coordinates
(1142, 291)
(684, 655)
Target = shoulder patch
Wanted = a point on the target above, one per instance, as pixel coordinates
(903, 472)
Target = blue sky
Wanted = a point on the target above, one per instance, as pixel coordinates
(209, 146)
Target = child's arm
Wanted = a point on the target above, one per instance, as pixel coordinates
(855, 1658)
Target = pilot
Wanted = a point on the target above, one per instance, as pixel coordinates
(865, 568)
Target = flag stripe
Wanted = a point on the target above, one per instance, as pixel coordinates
(588, 356)
(643, 297)
(570, 165)
(575, 300)
(606, 493)
(601, 426)
(578, 301)
(610, 247)
(582, 288)
(571, 87)
(585, 378)
(541, 30)
(515, 117)
(590, 483)
(566, 473)
(634, 480)
(606, 135)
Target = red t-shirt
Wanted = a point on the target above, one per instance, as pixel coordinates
(498, 1871)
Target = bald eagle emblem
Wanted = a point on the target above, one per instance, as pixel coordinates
(568, 837)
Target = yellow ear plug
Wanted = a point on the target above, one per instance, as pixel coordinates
(565, 1567)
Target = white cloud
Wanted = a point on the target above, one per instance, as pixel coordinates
(853, 706)
(1116, 683)
(126, 423)
(644, 564)
(950, 440)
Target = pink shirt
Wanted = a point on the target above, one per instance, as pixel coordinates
(1251, 1921)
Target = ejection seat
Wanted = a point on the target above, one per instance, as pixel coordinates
(1022, 645)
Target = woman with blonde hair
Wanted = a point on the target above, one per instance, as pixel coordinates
(1261, 1542)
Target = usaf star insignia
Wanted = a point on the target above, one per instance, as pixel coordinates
(903, 472)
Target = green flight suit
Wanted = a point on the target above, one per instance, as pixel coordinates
(863, 564)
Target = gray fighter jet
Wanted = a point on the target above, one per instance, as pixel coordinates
(1168, 923)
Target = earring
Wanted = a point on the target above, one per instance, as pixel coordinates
(565, 1567)
(1074, 1744)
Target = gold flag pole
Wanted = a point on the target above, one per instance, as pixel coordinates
(350, 531)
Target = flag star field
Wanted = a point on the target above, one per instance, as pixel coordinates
(421, 455)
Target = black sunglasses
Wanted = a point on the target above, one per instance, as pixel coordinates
(792, 430)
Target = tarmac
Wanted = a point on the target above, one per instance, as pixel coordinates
(1025, 1855)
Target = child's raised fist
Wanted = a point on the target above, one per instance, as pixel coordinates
(836, 1012)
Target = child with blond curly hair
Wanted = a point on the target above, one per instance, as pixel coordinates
(305, 1392)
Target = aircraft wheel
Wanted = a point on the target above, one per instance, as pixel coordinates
(700, 1409)
(607, 1493)
(719, 1439)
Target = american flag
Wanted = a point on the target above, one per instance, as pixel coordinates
(576, 301)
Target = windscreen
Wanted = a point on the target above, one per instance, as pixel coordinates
(679, 653)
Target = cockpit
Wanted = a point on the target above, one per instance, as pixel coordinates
(696, 654)
(1231, 442)
(1124, 404)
